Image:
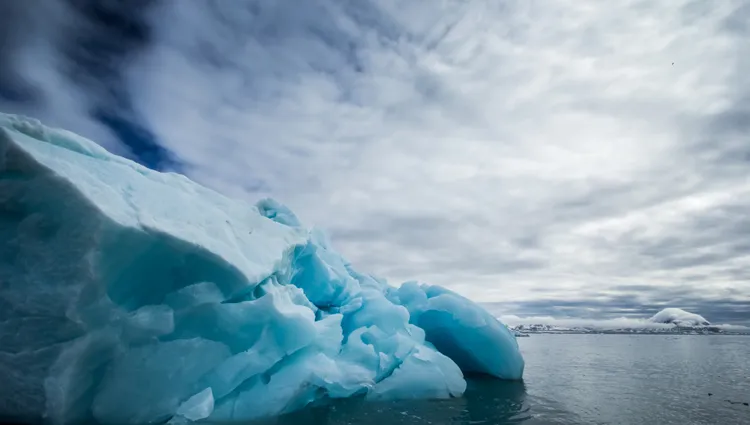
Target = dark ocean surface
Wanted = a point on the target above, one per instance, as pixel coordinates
(586, 379)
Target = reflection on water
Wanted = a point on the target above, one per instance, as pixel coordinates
(486, 401)
(492, 401)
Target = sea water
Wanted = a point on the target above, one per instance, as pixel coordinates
(586, 379)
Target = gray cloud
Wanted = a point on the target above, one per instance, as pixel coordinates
(564, 157)
(726, 311)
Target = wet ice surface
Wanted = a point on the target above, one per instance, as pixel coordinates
(586, 379)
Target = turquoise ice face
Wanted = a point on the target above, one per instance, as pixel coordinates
(133, 296)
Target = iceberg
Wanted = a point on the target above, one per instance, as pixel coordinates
(130, 296)
(679, 317)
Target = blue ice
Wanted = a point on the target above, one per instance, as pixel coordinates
(129, 296)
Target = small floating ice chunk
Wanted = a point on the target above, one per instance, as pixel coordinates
(197, 407)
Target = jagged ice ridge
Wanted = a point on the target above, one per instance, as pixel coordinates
(129, 296)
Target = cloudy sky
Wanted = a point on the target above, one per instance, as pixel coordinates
(567, 158)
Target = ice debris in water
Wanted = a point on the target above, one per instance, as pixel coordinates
(129, 296)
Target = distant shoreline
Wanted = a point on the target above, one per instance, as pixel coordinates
(627, 332)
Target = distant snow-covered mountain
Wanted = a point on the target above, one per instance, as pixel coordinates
(666, 321)
(679, 317)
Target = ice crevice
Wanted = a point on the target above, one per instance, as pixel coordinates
(129, 296)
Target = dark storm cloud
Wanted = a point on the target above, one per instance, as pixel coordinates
(14, 17)
(91, 49)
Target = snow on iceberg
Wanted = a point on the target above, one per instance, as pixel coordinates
(679, 317)
(131, 296)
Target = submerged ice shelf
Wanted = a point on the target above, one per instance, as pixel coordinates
(129, 296)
